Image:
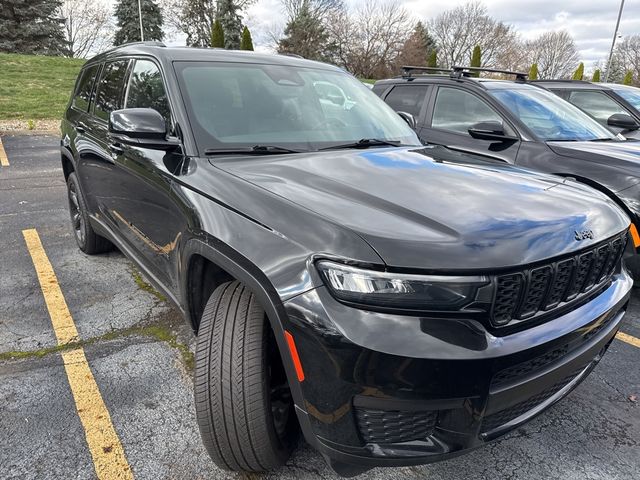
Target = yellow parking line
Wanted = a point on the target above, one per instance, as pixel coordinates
(4, 161)
(106, 450)
(631, 340)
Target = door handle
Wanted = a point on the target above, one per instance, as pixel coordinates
(116, 148)
(81, 127)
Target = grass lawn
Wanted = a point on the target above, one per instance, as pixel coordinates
(34, 87)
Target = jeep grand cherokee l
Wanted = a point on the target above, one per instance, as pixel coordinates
(397, 304)
(518, 123)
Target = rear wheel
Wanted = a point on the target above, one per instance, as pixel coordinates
(87, 239)
(243, 402)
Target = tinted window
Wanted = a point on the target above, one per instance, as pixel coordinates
(597, 104)
(407, 98)
(457, 110)
(631, 95)
(82, 96)
(146, 89)
(110, 89)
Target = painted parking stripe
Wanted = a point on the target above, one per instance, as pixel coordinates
(4, 161)
(106, 450)
(630, 339)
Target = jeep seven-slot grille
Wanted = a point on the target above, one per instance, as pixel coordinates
(522, 295)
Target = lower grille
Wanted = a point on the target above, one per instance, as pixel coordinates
(522, 295)
(502, 417)
(392, 426)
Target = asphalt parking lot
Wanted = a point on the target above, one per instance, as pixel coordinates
(135, 387)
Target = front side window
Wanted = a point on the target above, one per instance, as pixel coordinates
(597, 104)
(109, 96)
(457, 111)
(146, 89)
(630, 95)
(242, 105)
(407, 98)
(82, 96)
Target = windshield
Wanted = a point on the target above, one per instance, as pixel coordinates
(235, 105)
(549, 117)
(631, 96)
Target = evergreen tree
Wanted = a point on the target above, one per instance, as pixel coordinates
(306, 36)
(229, 15)
(217, 35)
(533, 72)
(128, 21)
(476, 59)
(433, 59)
(628, 78)
(247, 42)
(417, 48)
(596, 76)
(579, 73)
(32, 26)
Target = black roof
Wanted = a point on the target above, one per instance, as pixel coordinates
(158, 50)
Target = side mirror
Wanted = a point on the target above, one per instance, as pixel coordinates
(143, 127)
(622, 120)
(490, 130)
(410, 119)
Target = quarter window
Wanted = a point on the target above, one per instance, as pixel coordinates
(110, 89)
(407, 98)
(596, 104)
(146, 89)
(457, 110)
(82, 97)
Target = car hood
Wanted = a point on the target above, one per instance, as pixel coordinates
(624, 156)
(434, 208)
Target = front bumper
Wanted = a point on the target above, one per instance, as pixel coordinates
(384, 389)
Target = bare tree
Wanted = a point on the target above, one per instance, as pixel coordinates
(554, 52)
(87, 26)
(369, 39)
(628, 54)
(316, 8)
(459, 30)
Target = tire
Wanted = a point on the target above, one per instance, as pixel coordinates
(87, 239)
(243, 404)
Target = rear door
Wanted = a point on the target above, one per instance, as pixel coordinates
(453, 111)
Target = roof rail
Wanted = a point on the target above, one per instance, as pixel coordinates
(459, 72)
(408, 69)
(563, 80)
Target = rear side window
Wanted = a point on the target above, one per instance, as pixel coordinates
(407, 98)
(146, 89)
(82, 96)
(109, 96)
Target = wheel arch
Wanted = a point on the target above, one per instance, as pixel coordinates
(68, 164)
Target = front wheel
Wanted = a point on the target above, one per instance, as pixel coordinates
(243, 403)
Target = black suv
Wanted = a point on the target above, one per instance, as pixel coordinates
(396, 303)
(616, 106)
(522, 124)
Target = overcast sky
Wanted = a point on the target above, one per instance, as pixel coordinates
(591, 22)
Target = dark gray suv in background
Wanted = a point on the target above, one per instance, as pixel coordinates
(397, 304)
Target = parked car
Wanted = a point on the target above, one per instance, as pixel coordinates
(614, 106)
(397, 304)
(518, 123)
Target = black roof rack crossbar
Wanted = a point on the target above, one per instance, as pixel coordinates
(408, 69)
(458, 72)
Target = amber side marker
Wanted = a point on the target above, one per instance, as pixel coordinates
(108, 456)
(635, 235)
(294, 355)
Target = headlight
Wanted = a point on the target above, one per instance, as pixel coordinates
(400, 291)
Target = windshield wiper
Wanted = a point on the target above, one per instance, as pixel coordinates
(364, 143)
(607, 139)
(255, 150)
